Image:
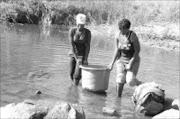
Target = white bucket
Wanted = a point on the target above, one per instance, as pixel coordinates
(95, 77)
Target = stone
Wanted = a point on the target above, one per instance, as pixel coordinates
(59, 111)
(38, 92)
(171, 103)
(66, 111)
(175, 104)
(38, 115)
(109, 111)
(27, 109)
(79, 111)
(148, 99)
(17, 111)
(168, 114)
(42, 109)
(38, 75)
(28, 101)
(168, 103)
(170, 106)
(72, 114)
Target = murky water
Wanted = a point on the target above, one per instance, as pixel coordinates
(26, 49)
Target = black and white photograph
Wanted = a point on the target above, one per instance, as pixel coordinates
(89, 59)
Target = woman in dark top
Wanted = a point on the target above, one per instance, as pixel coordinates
(79, 38)
(126, 54)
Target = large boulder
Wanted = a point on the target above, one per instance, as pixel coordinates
(38, 75)
(170, 107)
(66, 111)
(22, 111)
(110, 111)
(175, 104)
(149, 99)
(168, 114)
(41, 109)
(171, 110)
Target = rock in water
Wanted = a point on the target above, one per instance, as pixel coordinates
(168, 114)
(109, 111)
(38, 92)
(79, 111)
(59, 111)
(42, 109)
(175, 104)
(66, 111)
(17, 111)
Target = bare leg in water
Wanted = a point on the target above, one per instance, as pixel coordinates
(119, 89)
(72, 66)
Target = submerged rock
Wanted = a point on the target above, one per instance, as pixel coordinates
(38, 92)
(30, 109)
(38, 75)
(148, 99)
(110, 111)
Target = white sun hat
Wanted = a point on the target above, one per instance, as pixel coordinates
(81, 19)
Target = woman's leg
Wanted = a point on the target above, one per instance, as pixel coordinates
(119, 89)
(72, 65)
(77, 73)
(120, 79)
(131, 75)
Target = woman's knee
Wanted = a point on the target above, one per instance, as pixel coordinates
(131, 79)
(77, 73)
(121, 78)
(72, 64)
(135, 68)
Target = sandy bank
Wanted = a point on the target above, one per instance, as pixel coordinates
(165, 36)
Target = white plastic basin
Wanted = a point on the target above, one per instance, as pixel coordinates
(95, 77)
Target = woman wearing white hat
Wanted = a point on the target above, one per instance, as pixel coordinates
(79, 38)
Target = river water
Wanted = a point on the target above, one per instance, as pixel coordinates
(27, 48)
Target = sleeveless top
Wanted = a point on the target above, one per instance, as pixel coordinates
(80, 42)
(126, 48)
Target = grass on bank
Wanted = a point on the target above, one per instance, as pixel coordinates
(98, 11)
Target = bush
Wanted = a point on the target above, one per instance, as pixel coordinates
(98, 12)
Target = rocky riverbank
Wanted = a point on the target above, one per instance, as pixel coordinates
(30, 109)
(43, 109)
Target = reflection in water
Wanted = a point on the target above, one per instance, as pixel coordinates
(92, 103)
(72, 94)
(26, 48)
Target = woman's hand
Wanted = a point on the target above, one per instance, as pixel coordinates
(110, 67)
(85, 62)
(79, 60)
(128, 66)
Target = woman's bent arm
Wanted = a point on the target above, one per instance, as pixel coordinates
(136, 44)
(88, 46)
(70, 35)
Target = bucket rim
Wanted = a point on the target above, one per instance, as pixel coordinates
(94, 67)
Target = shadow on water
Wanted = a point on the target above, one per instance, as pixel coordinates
(72, 94)
(101, 93)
